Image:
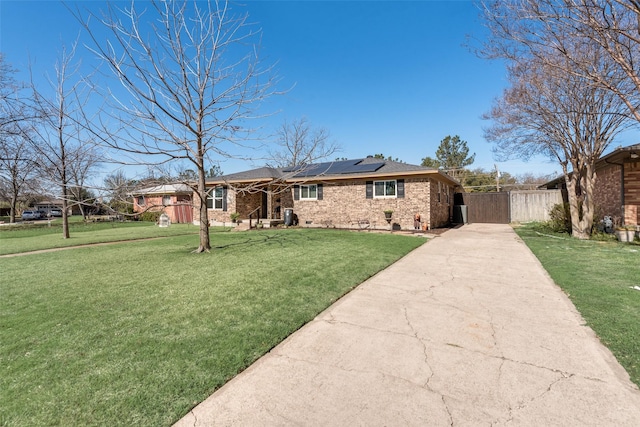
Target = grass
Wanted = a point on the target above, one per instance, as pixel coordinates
(138, 333)
(598, 277)
(38, 236)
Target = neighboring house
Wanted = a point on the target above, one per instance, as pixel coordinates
(341, 194)
(617, 189)
(48, 205)
(172, 199)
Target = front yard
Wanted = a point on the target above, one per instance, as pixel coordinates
(137, 333)
(599, 277)
(42, 235)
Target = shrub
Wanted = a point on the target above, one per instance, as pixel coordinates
(560, 221)
(150, 216)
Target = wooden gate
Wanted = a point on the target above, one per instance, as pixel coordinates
(486, 207)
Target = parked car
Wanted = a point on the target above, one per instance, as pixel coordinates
(55, 212)
(27, 215)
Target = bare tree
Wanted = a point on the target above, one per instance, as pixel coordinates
(18, 165)
(535, 27)
(18, 170)
(577, 50)
(118, 188)
(83, 162)
(299, 144)
(192, 83)
(58, 137)
(563, 116)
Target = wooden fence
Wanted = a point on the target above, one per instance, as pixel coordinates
(506, 207)
(533, 205)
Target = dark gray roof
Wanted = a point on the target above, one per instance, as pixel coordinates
(259, 174)
(338, 168)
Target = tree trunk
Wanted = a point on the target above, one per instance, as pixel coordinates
(205, 244)
(580, 188)
(64, 185)
(14, 204)
(65, 215)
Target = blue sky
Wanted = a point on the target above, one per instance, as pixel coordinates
(382, 77)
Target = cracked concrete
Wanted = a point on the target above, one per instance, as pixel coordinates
(467, 330)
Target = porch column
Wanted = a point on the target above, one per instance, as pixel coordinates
(269, 202)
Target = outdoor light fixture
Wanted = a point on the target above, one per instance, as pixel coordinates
(634, 155)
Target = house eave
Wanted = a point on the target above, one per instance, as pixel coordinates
(417, 173)
(241, 181)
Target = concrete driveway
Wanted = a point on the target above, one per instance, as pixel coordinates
(467, 330)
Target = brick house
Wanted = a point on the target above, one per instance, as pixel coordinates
(617, 189)
(172, 199)
(342, 194)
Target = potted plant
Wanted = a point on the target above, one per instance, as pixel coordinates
(234, 217)
(626, 233)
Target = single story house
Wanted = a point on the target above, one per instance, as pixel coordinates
(617, 189)
(48, 205)
(175, 200)
(342, 194)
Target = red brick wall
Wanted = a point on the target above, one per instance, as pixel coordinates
(344, 205)
(215, 215)
(608, 192)
(632, 193)
(441, 204)
(153, 203)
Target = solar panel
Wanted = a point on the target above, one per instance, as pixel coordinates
(367, 167)
(293, 168)
(336, 168)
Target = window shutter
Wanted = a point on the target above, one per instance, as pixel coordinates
(369, 191)
(224, 198)
(319, 186)
(400, 188)
(296, 192)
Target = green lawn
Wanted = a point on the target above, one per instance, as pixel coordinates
(22, 238)
(138, 333)
(598, 276)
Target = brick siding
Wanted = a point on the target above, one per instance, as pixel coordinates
(608, 193)
(154, 203)
(632, 193)
(344, 205)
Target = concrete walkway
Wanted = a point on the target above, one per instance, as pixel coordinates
(467, 330)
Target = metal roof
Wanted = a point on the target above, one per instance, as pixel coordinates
(164, 189)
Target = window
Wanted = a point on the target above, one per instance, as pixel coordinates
(309, 192)
(140, 200)
(384, 188)
(166, 200)
(216, 198)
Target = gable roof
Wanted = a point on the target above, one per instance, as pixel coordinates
(369, 167)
